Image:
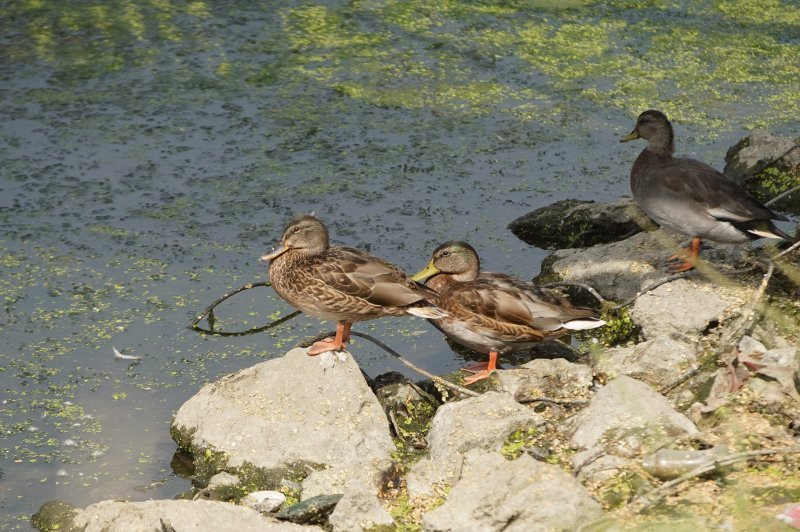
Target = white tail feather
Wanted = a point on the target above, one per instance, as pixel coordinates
(431, 313)
(583, 324)
(764, 234)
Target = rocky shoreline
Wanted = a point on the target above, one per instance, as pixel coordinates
(310, 443)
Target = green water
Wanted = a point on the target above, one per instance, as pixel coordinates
(151, 151)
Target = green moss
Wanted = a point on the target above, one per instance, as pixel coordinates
(517, 442)
(619, 328)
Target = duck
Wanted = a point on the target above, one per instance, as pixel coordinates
(340, 284)
(690, 197)
(495, 313)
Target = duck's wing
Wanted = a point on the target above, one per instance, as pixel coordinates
(509, 301)
(359, 274)
(690, 183)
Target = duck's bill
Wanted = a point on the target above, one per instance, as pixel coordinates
(429, 271)
(633, 135)
(277, 251)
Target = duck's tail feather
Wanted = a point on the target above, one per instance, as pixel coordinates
(430, 312)
(582, 324)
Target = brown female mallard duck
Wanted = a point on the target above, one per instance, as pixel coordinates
(690, 197)
(341, 284)
(494, 313)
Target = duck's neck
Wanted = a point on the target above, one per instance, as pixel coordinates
(440, 281)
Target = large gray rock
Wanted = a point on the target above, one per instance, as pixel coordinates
(556, 379)
(359, 509)
(287, 413)
(656, 362)
(116, 516)
(621, 269)
(628, 417)
(687, 307)
(496, 494)
(482, 422)
(756, 151)
(574, 223)
(624, 419)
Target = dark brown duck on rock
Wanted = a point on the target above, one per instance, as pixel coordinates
(690, 197)
(340, 284)
(494, 313)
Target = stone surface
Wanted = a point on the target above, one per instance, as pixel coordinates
(656, 362)
(263, 501)
(286, 411)
(575, 224)
(116, 516)
(337, 479)
(686, 306)
(359, 509)
(557, 378)
(627, 417)
(313, 511)
(482, 422)
(753, 153)
(54, 515)
(496, 494)
(621, 269)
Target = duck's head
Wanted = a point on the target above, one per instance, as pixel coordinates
(457, 259)
(303, 234)
(654, 127)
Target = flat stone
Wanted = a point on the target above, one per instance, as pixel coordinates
(313, 511)
(618, 271)
(575, 223)
(656, 362)
(627, 417)
(337, 479)
(359, 509)
(263, 501)
(686, 306)
(556, 378)
(117, 516)
(288, 411)
(524, 495)
(482, 422)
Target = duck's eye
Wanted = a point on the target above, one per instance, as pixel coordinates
(296, 229)
(445, 253)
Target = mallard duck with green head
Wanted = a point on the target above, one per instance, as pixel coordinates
(690, 197)
(494, 313)
(340, 284)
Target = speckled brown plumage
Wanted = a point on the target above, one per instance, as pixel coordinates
(494, 313)
(342, 284)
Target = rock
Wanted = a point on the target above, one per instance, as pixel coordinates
(624, 419)
(337, 479)
(313, 511)
(408, 407)
(557, 379)
(755, 152)
(283, 418)
(482, 422)
(748, 344)
(621, 269)
(630, 418)
(656, 362)
(766, 165)
(117, 516)
(786, 356)
(359, 509)
(222, 487)
(576, 224)
(263, 501)
(663, 311)
(54, 515)
(496, 494)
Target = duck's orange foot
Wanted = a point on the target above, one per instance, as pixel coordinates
(478, 376)
(323, 346)
(476, 367)
(685, 259)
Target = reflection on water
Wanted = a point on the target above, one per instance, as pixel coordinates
(151, 153)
